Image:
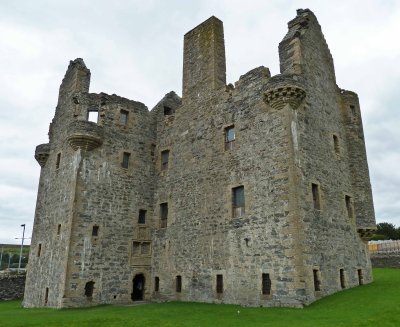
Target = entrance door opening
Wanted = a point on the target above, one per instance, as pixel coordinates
(138, 288)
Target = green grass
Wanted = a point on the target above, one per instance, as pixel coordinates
(376, 304)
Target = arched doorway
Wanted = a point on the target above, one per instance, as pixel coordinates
(138, 288)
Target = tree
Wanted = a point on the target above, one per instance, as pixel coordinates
(389, 230)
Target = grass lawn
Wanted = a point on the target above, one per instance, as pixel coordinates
(376, 304)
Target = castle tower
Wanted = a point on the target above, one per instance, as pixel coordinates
(256, 194)
(83, 220)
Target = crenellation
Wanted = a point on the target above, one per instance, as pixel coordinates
(255, 194)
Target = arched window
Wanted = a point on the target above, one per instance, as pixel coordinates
(89, 287)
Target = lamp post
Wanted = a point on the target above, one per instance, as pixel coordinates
(22, 245)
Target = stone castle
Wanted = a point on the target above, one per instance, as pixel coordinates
(256, 194)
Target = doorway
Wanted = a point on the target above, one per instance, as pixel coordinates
(138, 288)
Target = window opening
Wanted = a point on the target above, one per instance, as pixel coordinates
(353, 111)
(336, 144)
(39, 251)
(349, 206)
(178, 284)
(164, 214)
(360, 277)
(142, 216)
(317, 282)
(342, 279)
(58, 229)
(156, 284)
(123, 117)
(136, 248)
(93, 116)
(164, 159)
(89, 287)
(266, 284)
(168, 111)
(95, 231)
(229, 137)
(220, 284)
(125, 160)
(46, 296)
(238, 201)
(315, 195)
(58, 160)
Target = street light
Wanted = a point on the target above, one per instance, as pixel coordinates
(22, 245)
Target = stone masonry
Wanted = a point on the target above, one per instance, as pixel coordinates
(256, 194)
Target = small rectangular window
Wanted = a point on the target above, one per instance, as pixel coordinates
(46, 296)
(349, 206)
(342, 279)
(152, 150)
(125, 160)
(164, 214)
(58, 229)
(336, 145)
(315, 196)
(164, 159)
(220, 284)
(39, 250)
(178, 284)
(142, 216)
(317, 282)
(238, 201)
(168, 111)
(95, 231)
(93, 116)
(266, 284)
(156, 284)
(123, 117)
(58, 160)
(360, 277)
(229, 137)
(352, 111)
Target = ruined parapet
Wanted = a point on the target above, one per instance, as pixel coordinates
(362, 193)
(204, 67)
(42, 153)
(282, 90)
(304, 50)
(75, 81)
(85, 135)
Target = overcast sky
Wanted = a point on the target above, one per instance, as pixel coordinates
(134, 49)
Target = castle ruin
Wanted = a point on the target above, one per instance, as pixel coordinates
(255, 194)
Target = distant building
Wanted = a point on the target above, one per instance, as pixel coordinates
(255, 194)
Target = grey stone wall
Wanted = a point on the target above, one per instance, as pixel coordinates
(385, 260)
(284, 143)
(11, 286)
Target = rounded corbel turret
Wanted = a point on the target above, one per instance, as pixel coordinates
(282, 90)
(42, 153)
(85, 135)
(366, 233)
